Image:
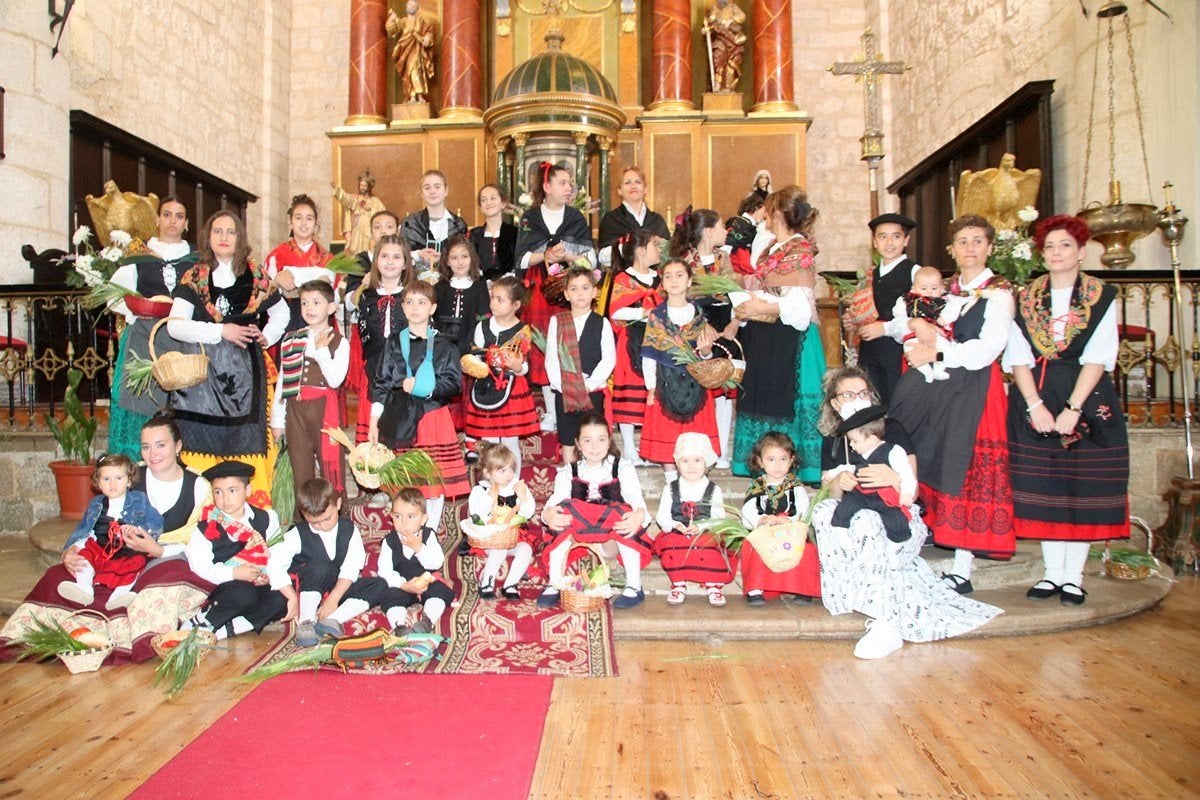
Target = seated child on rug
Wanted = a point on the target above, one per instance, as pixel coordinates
(581, 353)
(419, 373)
(228, 547)
(325, 554)
(597, 499)
(99, 536)
(776, 497)
(499, 497)
(409, 560)
(313, 364)
(864, 431)
(688, 553)
(929, 301)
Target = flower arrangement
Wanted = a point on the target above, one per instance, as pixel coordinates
(93, 269)
(583, 202)
(1013, 255)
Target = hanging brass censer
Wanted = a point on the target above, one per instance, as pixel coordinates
(1116, 224)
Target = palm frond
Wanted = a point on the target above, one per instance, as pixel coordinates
(42, 640)
(841, 286)
(708, 285)
(345, 264)
(283, 489)
(728, 529)
(138, 373)
(537, 337)
(413, 468)
(180, 662)
(822, 494)
(106, 295)
(313, 657)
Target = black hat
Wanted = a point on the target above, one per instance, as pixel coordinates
(860, 418)
(229, 469)
(908, 223)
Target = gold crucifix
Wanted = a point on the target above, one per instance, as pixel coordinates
(867, 68)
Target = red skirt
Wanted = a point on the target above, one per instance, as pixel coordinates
(517, 417)
(592, 523)
(699, 559)
(659, 432)
(537, 315)
(437, 436)
(458, 406)
(980, 517)
(628, 386)
(804, 578)
(112, 571)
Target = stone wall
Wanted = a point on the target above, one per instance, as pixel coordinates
(969, 56)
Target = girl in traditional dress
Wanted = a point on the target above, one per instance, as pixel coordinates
(1068, 447)
(632, 215)
(227, 303)
(580, 356)
(689, 554)
(428, 229)
(496, 239)
(776, 496)
(377, 306)
(958, 425)
(462, 299)
(418, 376)
(552, 232)
(500, 407)
(698, 241)
(301, 258)
(502, 489)
(152, 271)
(784, 359)
(675, 402)
(597, 499)
(635, 293)
(864, 570)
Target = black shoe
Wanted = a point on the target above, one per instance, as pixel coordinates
(756, 600)
(511, 593)
(1043, 590)
(472, 456)
(488, 592)
(464, 547)
(422, 625)
(1071, 598)
(548, 598)
(797, 599)
(958, 583)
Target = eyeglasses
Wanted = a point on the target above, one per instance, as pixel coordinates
(846, 397)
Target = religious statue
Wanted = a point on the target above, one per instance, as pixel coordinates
(726, 44)
(123, 211)
(997, 194)
(413, 52)
(359, 208)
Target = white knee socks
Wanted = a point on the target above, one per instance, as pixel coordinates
(433, 608)
(522, 557)
(1053, 554)
(962, 563)
(632, 561)
(491, 567)
(548, 397)
(558, 563)
(309, 603)
(514, 445)
(433, 507)
(628, 445)
(1074, 557)
(349, 609)
(724, 410)
(239, 625)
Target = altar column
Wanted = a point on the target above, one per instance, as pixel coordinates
(519, 141)
(368, 62)
(502, 181)
(774, 89)
(461, 70)
(605, 144)
(581, 140)
(671, 56)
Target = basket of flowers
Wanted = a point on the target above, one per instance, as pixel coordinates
(588, 589)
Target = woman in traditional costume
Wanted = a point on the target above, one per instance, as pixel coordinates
(632, 215)
(635, 293)
(958, 424)
(495, 240)
(153, 271)
(1068, 447)
(227, 303)
(781, 389)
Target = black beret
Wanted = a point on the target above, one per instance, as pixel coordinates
(229, 469)
(908, 223)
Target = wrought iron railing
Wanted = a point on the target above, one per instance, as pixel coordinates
(1150, 361)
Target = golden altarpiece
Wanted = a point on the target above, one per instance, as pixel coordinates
(594, 84)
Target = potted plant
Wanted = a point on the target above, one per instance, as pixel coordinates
(74, 435)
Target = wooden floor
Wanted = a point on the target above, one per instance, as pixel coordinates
(1112, 711)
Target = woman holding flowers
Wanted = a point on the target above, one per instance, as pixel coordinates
(150, 271)
(958, 424)
(227, 303)
(1068, 447)
(781, 390)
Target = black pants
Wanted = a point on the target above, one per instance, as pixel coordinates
(568, 421)
(260, 605)
(322, 577)
(399, 598)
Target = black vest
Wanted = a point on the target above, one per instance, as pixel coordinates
(703, 507)
(891, 287)
(225, 548)
(589, 343)
(610, 490)
(178, 515)
(409, 567)
(312, 549)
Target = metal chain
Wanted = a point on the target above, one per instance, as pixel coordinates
(1112, 112)
(1137, 104)
(1087, 153)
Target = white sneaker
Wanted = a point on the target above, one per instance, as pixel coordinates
(881, 640)
(117, 601)
(72, 591)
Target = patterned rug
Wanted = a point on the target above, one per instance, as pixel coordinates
(488, 636)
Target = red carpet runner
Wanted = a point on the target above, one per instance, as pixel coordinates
(307, 735)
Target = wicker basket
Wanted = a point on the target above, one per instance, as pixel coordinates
(554, 289)
(573, 600)
(176, 370)
(365, 458)
(1123, 572)
(779, 546)
(737, 312)
(713, 373)
(88, 660)
(736, 356)
(474, 366)
(164, 643)
(504, 538)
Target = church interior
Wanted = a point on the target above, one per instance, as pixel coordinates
(872, 106)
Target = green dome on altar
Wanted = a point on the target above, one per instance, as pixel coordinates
(554, 91)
